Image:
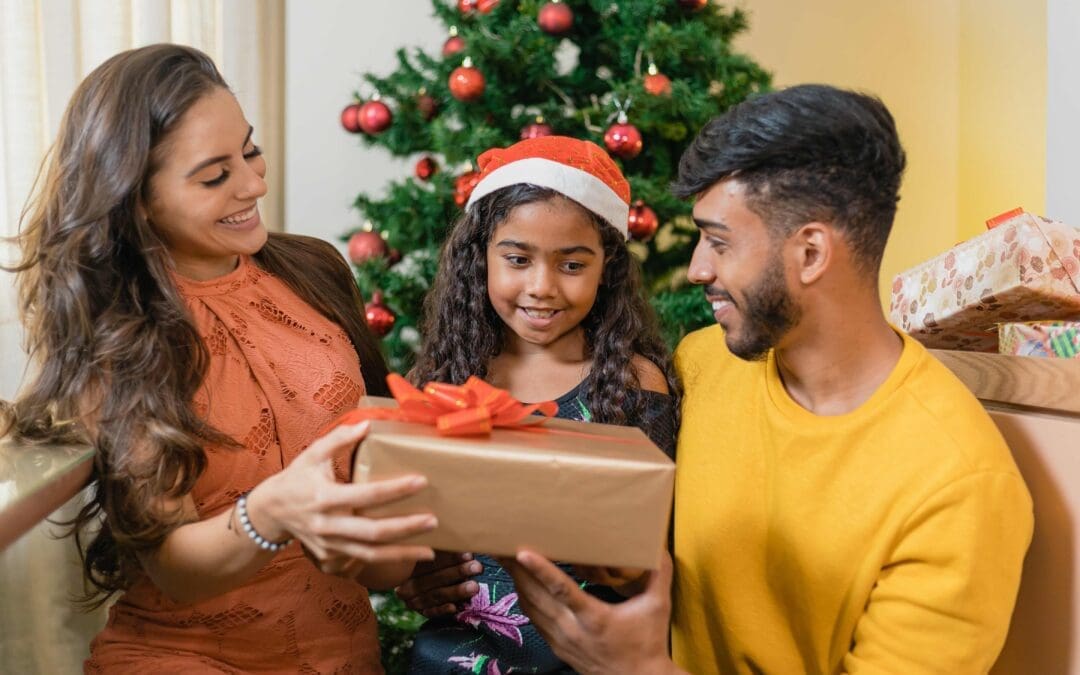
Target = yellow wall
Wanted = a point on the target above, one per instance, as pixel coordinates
(966, 81)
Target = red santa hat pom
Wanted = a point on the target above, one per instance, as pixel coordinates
(577, 169)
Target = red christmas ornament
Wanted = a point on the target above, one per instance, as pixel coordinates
(692, 5)
(555, 18)
(467, 6)
(375, 117)
(467, 83)
(463, 187)
(656, 83)
(536, 129)
(623, 139)
(380, 319)
(453, 44)
(642, 222)
(427, 106)
(350, 118)
(485, 6)
(365, 245)
(426, 168)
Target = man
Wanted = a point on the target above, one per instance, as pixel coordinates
(842, 502)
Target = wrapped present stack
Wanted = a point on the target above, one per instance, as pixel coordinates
(1025, 269)
(1060, 339)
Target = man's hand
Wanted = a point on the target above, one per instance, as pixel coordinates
(593, 636)
(625, 581)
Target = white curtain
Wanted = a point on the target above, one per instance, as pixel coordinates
(46, 48)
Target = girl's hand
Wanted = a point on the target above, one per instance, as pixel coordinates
(306, 502)
(437, 586)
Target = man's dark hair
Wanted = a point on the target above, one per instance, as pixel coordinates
(806, 153)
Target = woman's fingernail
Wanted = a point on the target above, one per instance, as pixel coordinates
(418, 482)
(431, 523)
(471, 587)
(475, 568)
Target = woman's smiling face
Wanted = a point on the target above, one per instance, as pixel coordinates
(203, 197)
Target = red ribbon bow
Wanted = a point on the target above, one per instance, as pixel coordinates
(474, 408)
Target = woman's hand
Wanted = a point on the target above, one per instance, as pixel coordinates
(437, 586)
(306, 502)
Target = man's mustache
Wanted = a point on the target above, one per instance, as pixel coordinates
(716, 294)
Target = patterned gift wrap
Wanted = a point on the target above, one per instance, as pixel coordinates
(1025, 269)
(1060, 339)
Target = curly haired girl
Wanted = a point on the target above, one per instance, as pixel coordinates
(538, 294)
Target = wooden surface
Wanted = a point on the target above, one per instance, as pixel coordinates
(1045, 630)
(35, 481)
(1034, 382)
(1035, 403)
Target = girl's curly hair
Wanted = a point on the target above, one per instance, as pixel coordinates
(463, 333)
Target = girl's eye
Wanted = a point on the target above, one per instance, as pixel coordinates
(573, 266)
(253, 153)
(517, 260)
(214, 182)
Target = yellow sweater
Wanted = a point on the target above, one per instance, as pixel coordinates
(886, 540)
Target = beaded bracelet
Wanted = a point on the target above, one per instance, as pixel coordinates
(262, 542)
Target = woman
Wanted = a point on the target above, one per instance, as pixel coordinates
(201, 355)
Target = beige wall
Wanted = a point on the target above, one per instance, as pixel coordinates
(966, 81)
(329, 44)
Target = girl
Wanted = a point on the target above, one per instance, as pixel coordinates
(200, 356)
(538, 294)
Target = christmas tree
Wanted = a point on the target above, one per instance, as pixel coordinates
(638, 77)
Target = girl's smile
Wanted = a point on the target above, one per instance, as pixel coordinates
(545, 263)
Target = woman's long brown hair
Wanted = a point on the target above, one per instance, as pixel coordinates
(462, 332)
(118, 359)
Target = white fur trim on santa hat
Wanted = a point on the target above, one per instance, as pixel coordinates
(581, 186)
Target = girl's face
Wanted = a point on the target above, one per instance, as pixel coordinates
(545, 263)
(203, 197)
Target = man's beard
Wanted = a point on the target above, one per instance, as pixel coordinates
(767, 314)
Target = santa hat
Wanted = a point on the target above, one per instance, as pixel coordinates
(574, 168)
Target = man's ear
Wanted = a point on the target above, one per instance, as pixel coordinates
(815, 250)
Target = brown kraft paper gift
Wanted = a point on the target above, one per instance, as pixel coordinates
(585, 493)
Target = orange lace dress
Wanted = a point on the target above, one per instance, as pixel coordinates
(279, 372)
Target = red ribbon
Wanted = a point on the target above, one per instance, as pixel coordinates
(471, 409)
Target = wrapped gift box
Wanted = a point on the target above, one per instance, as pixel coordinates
(586, 493)
(1051, 338)
(1026, 268)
